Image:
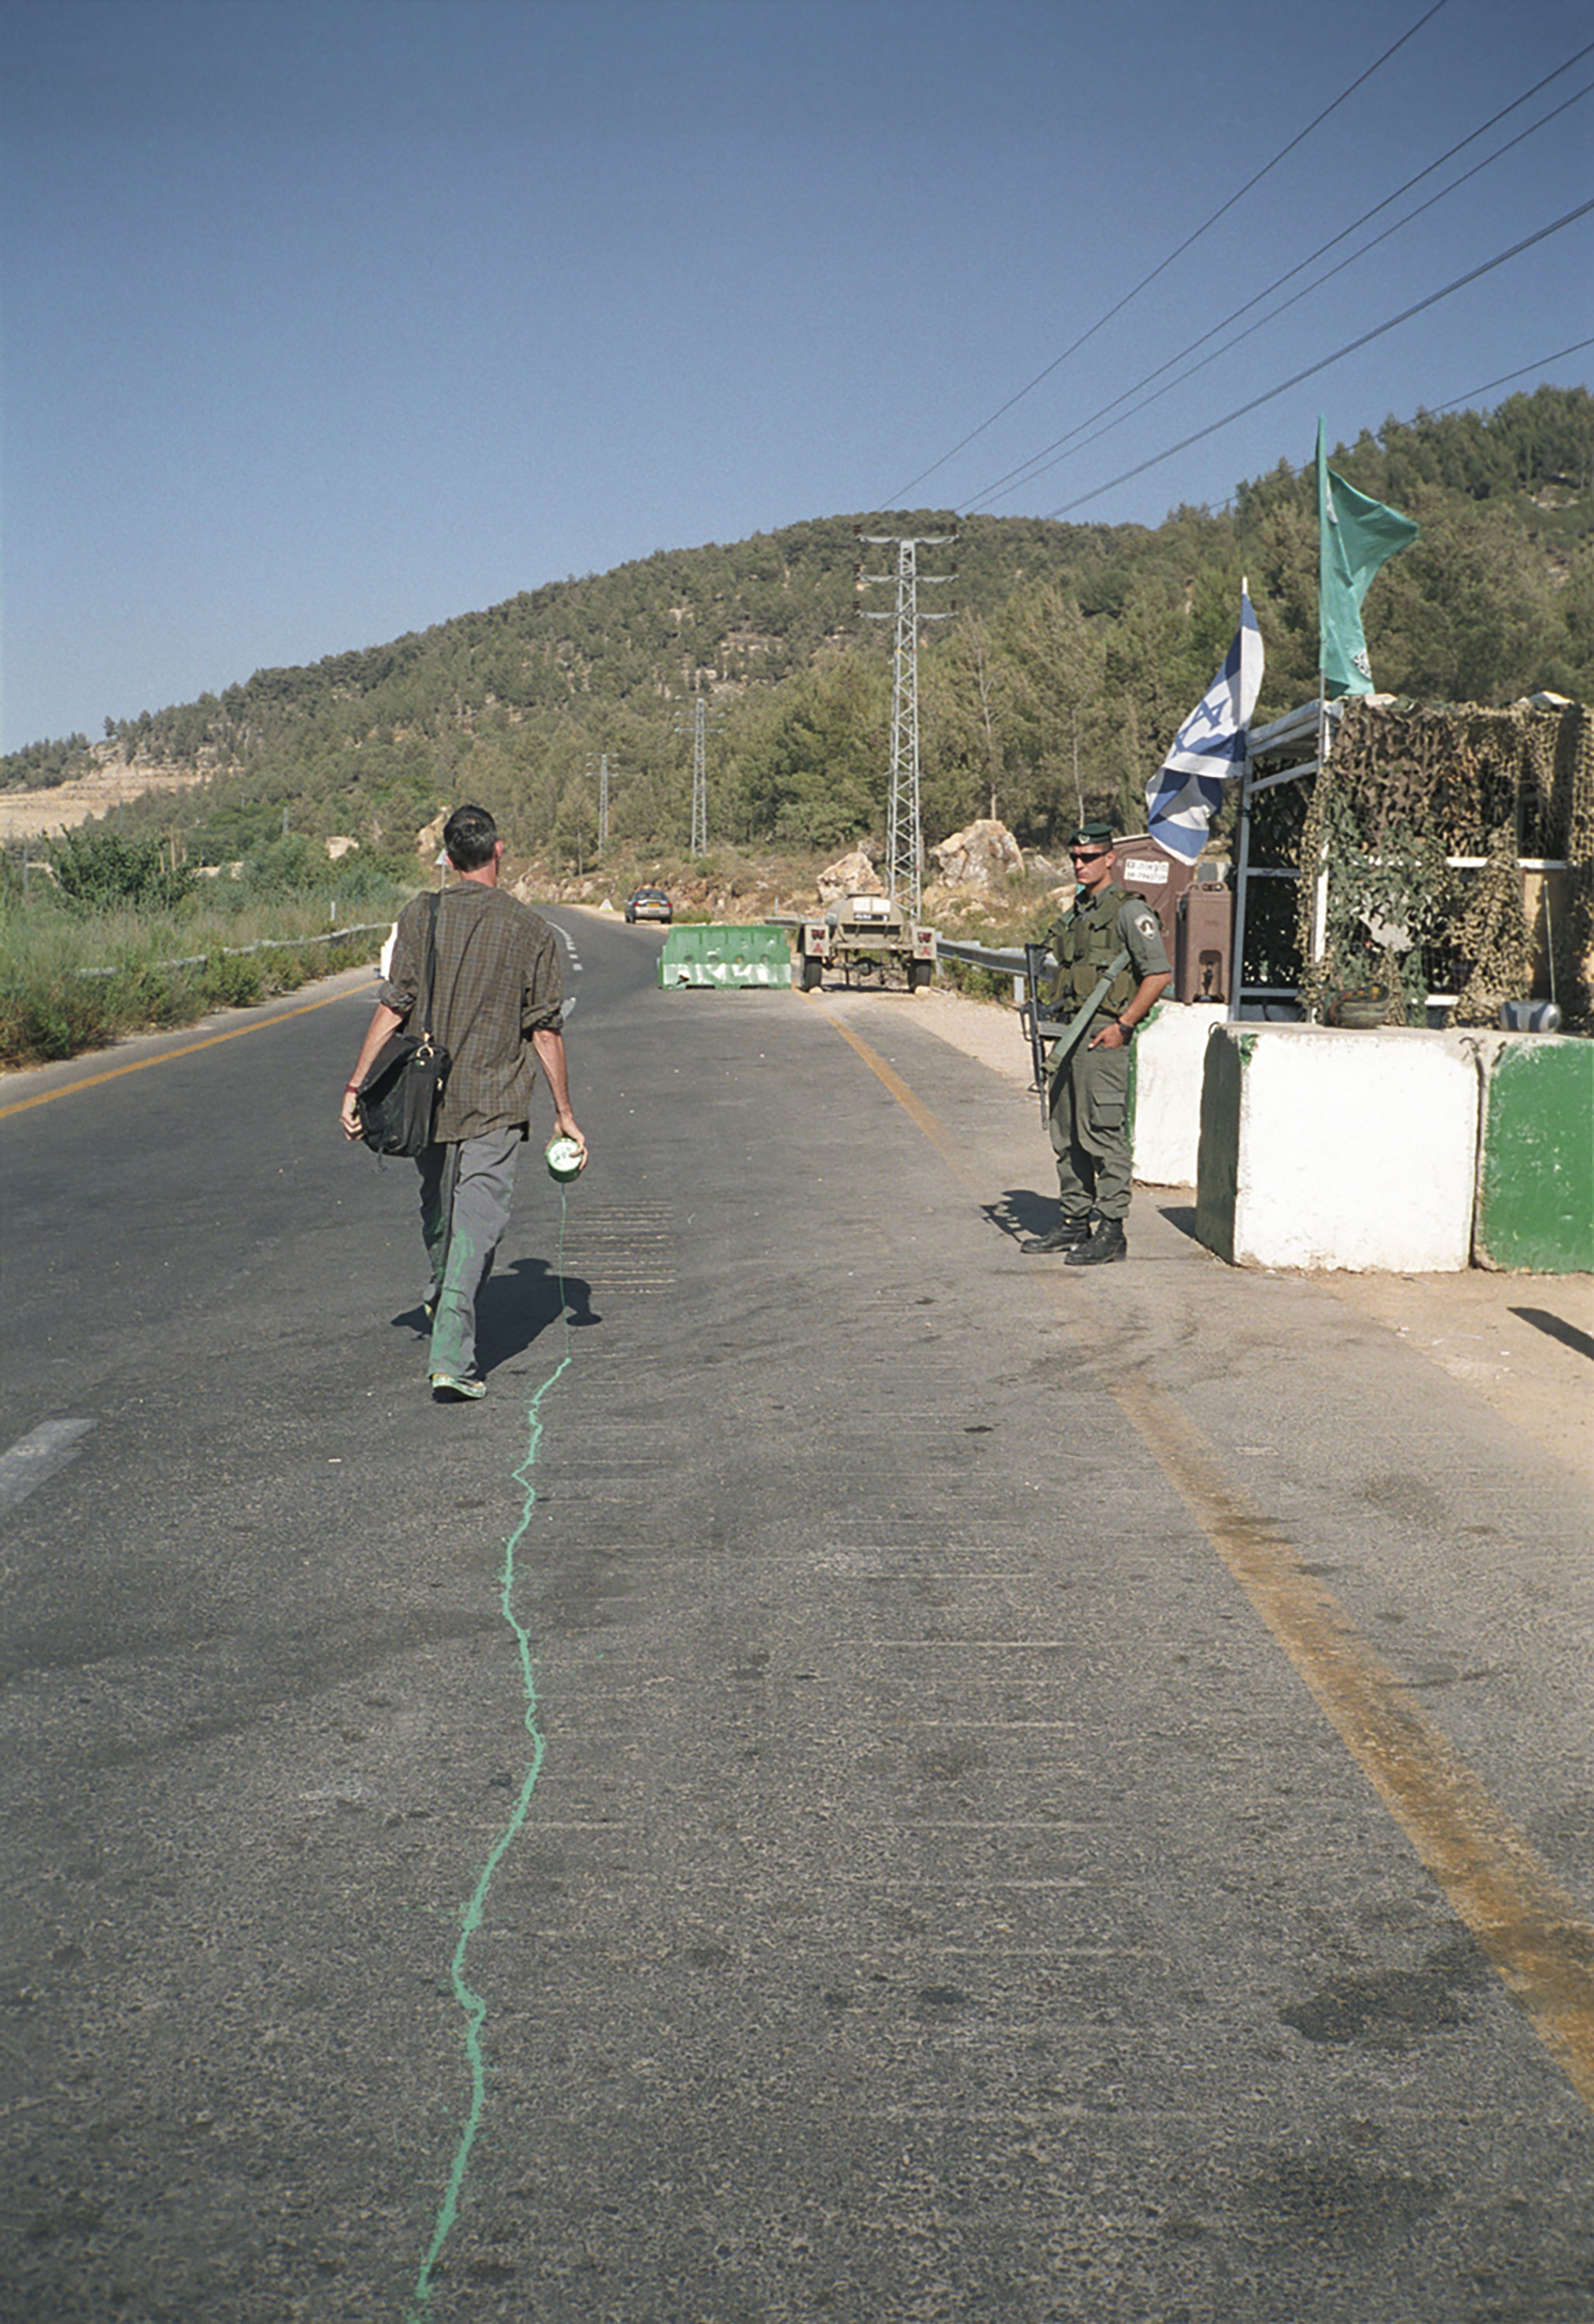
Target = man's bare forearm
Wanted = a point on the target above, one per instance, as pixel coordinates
(549, 1044)
(384, 1022)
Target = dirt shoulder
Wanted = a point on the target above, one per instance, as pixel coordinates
(1524, 1343)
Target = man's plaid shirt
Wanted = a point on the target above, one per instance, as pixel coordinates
(497, 982)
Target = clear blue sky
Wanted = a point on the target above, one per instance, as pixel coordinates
(324, 322)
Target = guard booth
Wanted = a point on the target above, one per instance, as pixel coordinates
(1195, 908)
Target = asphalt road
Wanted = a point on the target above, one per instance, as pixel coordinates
(873, 1778)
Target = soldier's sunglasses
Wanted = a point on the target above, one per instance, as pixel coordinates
(1089, 854)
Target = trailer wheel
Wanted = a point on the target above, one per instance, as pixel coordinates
(813, 973)
(920, 973)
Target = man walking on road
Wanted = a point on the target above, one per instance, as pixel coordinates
(1089, 1121)
(496, 1009)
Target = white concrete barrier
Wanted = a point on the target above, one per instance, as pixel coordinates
(1170, 1053)
(1322, 1148)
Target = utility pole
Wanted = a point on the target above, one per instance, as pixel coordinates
(905, 838)
(699, 773)
(603, 801)
(700, 777)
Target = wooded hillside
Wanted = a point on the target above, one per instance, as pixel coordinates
(1076, 652)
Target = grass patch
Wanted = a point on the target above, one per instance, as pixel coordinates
(69, 984)
(977, 983)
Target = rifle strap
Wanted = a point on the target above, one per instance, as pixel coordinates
(1063, 1048)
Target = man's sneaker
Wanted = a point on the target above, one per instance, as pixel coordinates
(456, 1387)
(1105, 1245)
(1063, 1236)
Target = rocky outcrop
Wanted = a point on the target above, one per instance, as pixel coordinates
(984, 855)
(850, 875)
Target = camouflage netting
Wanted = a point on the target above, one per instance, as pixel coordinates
(1403, 789)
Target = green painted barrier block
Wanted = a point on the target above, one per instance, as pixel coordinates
(1218, 1165)
(725, 955)
(1535, 1176)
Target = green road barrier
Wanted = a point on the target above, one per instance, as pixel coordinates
(725, 955)
(1535, 1167)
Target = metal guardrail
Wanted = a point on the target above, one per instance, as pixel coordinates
(1002, 960)
(265, 944)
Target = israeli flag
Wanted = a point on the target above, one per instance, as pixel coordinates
(1210, 748)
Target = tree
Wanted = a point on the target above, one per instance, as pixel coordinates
(966, 705)
(1059, 718)
(816, 774)
(96, 870)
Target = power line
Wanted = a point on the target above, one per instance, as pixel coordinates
(1349, 348)
(1490, 385)
(1026, 469)
(898, 499)
(1038, 465)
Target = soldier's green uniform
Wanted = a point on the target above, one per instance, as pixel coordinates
(1088, 1114)
(1089, 1119)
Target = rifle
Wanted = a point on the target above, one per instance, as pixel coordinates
(1064, 1035)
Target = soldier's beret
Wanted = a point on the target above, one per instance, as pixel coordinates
(1092, 834)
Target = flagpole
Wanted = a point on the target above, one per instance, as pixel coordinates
(1237, 966)
(1319, 899)
(1242, 865)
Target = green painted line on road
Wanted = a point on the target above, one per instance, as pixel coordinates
(471, 2003)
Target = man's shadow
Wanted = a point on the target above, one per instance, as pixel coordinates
(514, 1308)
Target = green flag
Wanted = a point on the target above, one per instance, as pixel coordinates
(1355, 536)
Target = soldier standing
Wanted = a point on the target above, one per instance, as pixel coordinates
(1088, 1115)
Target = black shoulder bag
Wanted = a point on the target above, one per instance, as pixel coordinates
(397, 1102)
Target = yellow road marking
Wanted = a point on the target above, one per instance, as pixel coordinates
(1534, 1933)
(141, 1064)
(940, 1136)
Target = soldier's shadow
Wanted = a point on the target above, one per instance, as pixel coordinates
(1019, 1211)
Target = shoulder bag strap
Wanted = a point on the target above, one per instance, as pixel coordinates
(436, 901)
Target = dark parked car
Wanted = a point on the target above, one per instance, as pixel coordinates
(649, 904)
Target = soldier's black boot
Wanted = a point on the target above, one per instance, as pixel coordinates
(1105, 1245)
(1064, 1236)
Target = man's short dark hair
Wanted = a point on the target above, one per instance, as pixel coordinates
(469, 837)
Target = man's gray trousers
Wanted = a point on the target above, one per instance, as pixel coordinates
(466, 1191)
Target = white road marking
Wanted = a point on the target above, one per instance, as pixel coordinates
(568, 943)
(33, 1458)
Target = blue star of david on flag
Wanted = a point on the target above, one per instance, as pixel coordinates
(1210, 748)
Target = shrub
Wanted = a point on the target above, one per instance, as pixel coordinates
(58, 1018)
(96, 870)
(232, 981)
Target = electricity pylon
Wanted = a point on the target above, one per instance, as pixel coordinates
(603, 800)
(904, 837)
(699, 774)
(700, 777)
